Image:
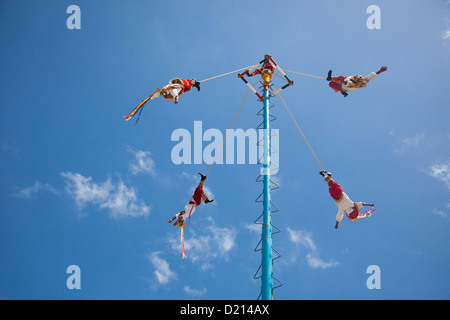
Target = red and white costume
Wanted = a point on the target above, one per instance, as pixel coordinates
(186, 84)
(267, 65)
(350, 84)
(343, 202)
(175, 89)
(190, 207)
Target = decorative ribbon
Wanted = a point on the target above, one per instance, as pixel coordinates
(366, 214)
(183, 255)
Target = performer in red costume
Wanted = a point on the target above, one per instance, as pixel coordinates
(268, 64)
(345, 84)
(177, 87)
(190, 207)
(343, 202)
(171, 92)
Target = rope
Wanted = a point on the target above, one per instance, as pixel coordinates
(304, 74)
(249, 68)
(228, 132)
(301, 133)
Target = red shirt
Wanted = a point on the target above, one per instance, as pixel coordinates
(187, 84)
(334, 189)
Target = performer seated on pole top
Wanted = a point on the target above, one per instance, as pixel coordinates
(267, 65)
(345, 84)
(190, 207)
(343, 202)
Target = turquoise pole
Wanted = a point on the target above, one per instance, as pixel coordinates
(266, 263)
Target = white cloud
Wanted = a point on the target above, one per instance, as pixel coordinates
(162, 272)
(316, 262)
(143, 162)
(304, 238)
(118, 199)
(224, 238)
(34, 189)
(408, 142)
(214, 243)
(194, 292)
(255, 228)
(446, 35)
(439, 213)
(440, 172)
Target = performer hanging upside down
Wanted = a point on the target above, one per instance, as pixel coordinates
(176, 88)
(171, 92)
(345, 84)
(190, 207)
(345, 205)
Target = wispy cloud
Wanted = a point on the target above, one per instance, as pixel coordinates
(117, 198)
(302, 237)
(143, 162)
(439, 213)
(305, 239)
(446, 35)
(255, 228)
(440, 172)
(37, 187)
(194, 292)
(162, 272)
(406, 143)
(314, 261)
(213, 243)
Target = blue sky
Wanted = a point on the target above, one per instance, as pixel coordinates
(80, 186)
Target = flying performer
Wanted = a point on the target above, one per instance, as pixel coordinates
(176, 88)
(190, 207)
(345, 84)
(171, 92)
(343, 202)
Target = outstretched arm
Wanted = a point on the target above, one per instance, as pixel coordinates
(339, 217)
(382, 69)
(179, 218)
